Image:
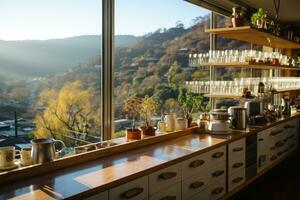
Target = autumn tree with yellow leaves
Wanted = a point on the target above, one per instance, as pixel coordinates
(70, 114)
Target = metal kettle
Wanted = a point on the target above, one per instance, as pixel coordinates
(43, 150)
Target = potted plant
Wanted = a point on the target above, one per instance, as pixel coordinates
(259, 18)
(189, 103)
(238, 16)
(132, 108)
(148, 108)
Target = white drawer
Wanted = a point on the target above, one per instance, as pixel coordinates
(236, 149)
(236, 164)
(133, 190)
(171, 193)
(236, 179)
(100, 196)
(214, 191)
(217, 172)
(200, 181)
(291, 126)
(164, 178)
(199, 163)
(194, 165)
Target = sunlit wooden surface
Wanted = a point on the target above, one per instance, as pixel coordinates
(90, 178)
(253, 35)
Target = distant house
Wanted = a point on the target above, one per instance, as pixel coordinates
(4, 126)
(121, 124)
(189, 69)
(151, 59)
(183, 50)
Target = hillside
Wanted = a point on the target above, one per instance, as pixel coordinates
(33, 58)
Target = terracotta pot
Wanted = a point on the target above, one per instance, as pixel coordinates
(134, 134)
(150, 131)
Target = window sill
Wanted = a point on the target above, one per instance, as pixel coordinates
(122, 145)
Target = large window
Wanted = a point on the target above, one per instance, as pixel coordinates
(154, 39)
(50, 71)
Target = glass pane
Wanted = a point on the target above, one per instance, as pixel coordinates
(50, 69)
(154, 39)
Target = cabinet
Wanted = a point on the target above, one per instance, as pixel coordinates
(211, 174)
(133, 190)
(199, 163)
(171, 193)
(213, 192)
(163, 178)
(277, 142)
(236, 163)
(100, 196)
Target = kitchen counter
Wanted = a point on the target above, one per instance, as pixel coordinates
(86, 179)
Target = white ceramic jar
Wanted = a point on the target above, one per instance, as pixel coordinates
(170, 122)
(181, 124)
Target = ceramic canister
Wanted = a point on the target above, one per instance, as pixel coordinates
(170, 123)
(162, 126)
(181, 124)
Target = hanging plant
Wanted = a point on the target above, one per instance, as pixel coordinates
(259, 18)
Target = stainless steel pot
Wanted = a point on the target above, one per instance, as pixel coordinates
(239, 117)
(219, 115)
(43, 150)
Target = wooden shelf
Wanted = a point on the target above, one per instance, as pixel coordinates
(228, 96)
(253, 35)
(286, 90)
(222, 96)
(251, 65)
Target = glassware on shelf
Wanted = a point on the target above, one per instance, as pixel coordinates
(238, 85)
(240, 56)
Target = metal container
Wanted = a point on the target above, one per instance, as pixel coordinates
(254, 108)
(43, 150)
(219, 115)
(286, 106)
(239, 117)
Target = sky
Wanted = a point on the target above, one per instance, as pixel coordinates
(49, 19)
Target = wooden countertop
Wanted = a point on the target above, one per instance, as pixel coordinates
(90, 178)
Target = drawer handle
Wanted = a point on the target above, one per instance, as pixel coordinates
(217, 173)
(237, 149)
(132, 193)
(196, 184)
(273, 157)
(167, 175)
(217, 190)
(261, 139)
(289, 126)
(237, 165)
(278, 144)
(237, 180)
(217, 155)
(279, 153)
(169, 198)
(273, 148)
(197, 163)
(292, 136)
(273, 133)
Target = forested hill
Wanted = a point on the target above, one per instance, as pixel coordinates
(32, 58)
